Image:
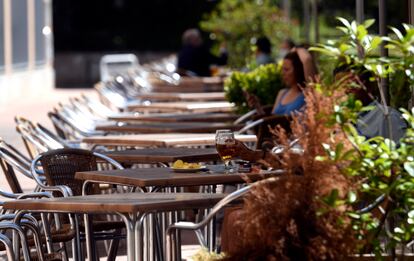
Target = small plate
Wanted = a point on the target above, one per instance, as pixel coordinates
(201, 168)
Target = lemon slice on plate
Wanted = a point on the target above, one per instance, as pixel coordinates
(182, 166)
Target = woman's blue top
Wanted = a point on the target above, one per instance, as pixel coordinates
(287, 109)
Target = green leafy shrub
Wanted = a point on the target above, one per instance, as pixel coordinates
(383, 174)
(401, 61)
(360, 50)
(264, 82)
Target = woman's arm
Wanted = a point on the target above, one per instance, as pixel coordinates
(256, 155)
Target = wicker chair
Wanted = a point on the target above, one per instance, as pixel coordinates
(13, 162)
(59, 168)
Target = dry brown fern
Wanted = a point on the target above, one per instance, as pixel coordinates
(282, 220)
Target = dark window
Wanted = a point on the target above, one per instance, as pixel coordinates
(124, 25)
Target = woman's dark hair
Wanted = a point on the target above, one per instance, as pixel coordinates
(297, 67)
(263, 44)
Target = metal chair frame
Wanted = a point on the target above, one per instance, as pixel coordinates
(97, 107)
(65, 190)
(171, 240)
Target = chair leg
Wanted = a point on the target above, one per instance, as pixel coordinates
(157, 234)
(46, 228)
(76, 242)
(90, 244)
(113, 246)
(170, 245)
(64, 251)
(178, 244)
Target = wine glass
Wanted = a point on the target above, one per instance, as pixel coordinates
(226, 147)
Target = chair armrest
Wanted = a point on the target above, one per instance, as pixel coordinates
(8, 195)
(245, 117)
(250, 126)
(266, 111)
(65, 190)
(253, 114)
(276, 118)
(35, 195)
(185, 225)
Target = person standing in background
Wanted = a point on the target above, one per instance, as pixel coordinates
(194, 59)
(263, 51)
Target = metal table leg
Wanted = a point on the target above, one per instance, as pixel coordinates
(90, 242)
(130, 224)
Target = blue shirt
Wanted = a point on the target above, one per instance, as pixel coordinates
(287, 109)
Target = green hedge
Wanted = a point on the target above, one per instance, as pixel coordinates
(264, 82)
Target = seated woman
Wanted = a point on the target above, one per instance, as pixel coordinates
(288, 100)
(291, 99)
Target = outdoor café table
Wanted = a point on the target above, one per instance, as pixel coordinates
(189, 84)
(132, 207)
(162, 139)
(177, 96)
(168, 127)
(200, 107)
(156, 178)
(174, 117)
(165, 155)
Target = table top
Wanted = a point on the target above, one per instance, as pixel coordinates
(168, 127)
(121, 203)
(174, 117)
(162, 139)
(178, 96)
(189, 84)
(166, 177)
(154, 155)
(201, 107)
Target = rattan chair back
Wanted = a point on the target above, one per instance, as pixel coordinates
(59, 167)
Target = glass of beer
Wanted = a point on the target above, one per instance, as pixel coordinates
(226, 147)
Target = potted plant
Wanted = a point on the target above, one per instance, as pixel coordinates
(346, 195)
